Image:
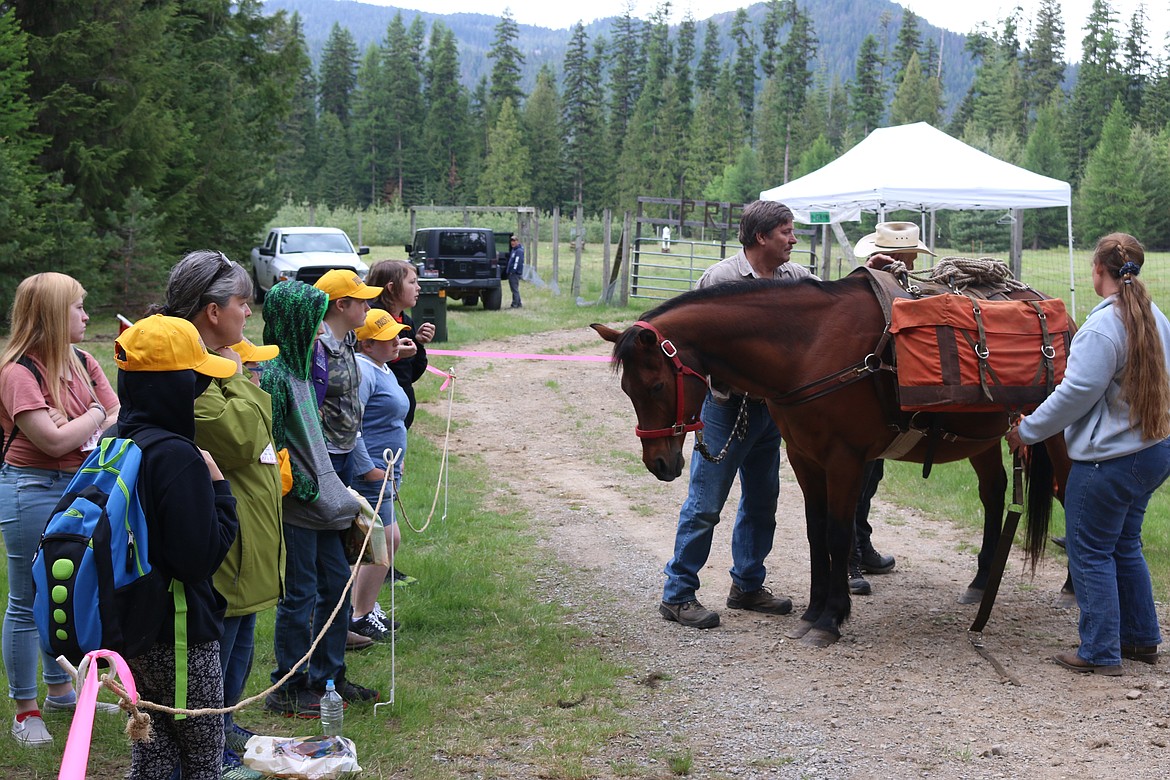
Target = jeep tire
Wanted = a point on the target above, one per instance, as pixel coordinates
(492, 299)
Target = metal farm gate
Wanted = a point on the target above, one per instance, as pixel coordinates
(685, 238)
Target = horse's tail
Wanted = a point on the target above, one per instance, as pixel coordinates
(1038, 485)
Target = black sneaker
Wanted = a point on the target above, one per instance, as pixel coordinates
(873, 562)
(354, 693)
(399, 579)
(370, 626)
(858, 584)
(294, 703)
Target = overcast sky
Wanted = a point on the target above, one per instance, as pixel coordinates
(960, 16)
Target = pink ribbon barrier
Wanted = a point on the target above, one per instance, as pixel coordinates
(75, 762)
(507, 356)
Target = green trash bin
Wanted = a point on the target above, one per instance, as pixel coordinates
(432, 306)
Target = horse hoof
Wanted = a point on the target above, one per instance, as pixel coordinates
(799, 630)
(971, 596)
(1065, 600)
(819, 637)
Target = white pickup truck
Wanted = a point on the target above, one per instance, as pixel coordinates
(304, 254)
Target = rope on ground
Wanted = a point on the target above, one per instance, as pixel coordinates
(139, 729)
(443, 481)
(976, 638)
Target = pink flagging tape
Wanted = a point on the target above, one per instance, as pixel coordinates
(506, 356)
(519, 356)
(75, 762)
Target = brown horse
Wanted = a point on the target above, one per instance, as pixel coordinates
(808, 348)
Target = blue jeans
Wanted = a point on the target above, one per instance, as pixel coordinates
(27, 498)
(757, 460)
(235, 658)
(1105, 504)
(315, 574)
(343, 464)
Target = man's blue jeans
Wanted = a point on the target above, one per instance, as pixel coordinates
(1105, 504)
(757, 461)
(27, 498)
(315, 574)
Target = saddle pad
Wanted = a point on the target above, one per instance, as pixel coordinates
(957, 354)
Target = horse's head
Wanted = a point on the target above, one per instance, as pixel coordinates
(666, 404)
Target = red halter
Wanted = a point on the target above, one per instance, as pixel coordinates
(680, 427)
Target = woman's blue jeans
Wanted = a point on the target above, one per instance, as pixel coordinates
(757, 461)
(1105, 504)
(315, 575)
(27, 498)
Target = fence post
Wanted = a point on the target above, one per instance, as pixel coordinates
(556, 242)
(624, 293)
(535, 237)
(578, 248)
(1016, 256)
(606, 239)
(359, 231)
(413, 217)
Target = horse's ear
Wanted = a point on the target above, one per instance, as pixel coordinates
(609, 334)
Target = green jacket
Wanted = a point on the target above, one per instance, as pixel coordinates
(233, 421)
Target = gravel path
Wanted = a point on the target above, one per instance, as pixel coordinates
(902, 694)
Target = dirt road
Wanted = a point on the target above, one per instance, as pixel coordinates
(902, 694)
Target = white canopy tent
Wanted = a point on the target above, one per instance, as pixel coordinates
(917, 167)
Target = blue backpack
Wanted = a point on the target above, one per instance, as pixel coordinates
(94, 585)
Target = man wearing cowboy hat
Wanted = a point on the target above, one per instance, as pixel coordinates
(889, 242)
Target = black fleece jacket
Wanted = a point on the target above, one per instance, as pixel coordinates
(190, 519)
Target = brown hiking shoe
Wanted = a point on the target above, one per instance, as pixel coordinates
(690, 613)
(760, 600)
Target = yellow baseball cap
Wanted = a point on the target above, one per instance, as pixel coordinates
(161, 343)
(255, 353)
(380, 325)
(344, 283)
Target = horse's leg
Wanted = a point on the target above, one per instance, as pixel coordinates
(1061, 464)
(989, 468)
(829, 520)
(812, 483)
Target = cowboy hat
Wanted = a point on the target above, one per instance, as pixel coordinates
(891, 237)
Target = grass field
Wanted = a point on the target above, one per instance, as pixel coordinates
(483, 658)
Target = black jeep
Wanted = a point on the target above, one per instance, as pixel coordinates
(466, 257)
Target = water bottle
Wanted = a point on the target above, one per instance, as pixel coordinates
(332, 711)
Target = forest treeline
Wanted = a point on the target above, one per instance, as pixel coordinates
(140, 130)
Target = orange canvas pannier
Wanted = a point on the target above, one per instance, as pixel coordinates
(960, 354)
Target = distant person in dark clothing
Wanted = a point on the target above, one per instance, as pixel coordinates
(515, 268)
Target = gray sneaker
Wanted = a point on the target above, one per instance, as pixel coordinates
(690, 613)
(760, 600)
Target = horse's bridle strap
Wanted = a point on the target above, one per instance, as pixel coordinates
(680, 427)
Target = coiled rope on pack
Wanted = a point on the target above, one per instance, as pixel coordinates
(959, 273)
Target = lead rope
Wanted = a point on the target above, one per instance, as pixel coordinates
(959, 273)
(443, 482)
(738, 431)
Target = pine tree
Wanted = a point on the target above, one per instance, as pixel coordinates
(580, 113)
(794, 71)
(917, 98)
(1136, 62)
(867, 92)
(707, 71)
(506, 170)
(769, 34)
(338, 73)
(706, 148)
(815, 157)
(334, 180)
(542, 136)
(1044, 55)
(370, 147)
(1099, 82)
(909, 43)
(625, 74)
(1149, 154)
(401, 83)
(1043, 154)
(682, 64)
(508, 63)
(446, 132)
(744, 69)
(296, 176)
(1107, 199)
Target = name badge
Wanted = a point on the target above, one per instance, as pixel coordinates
(269, 455)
